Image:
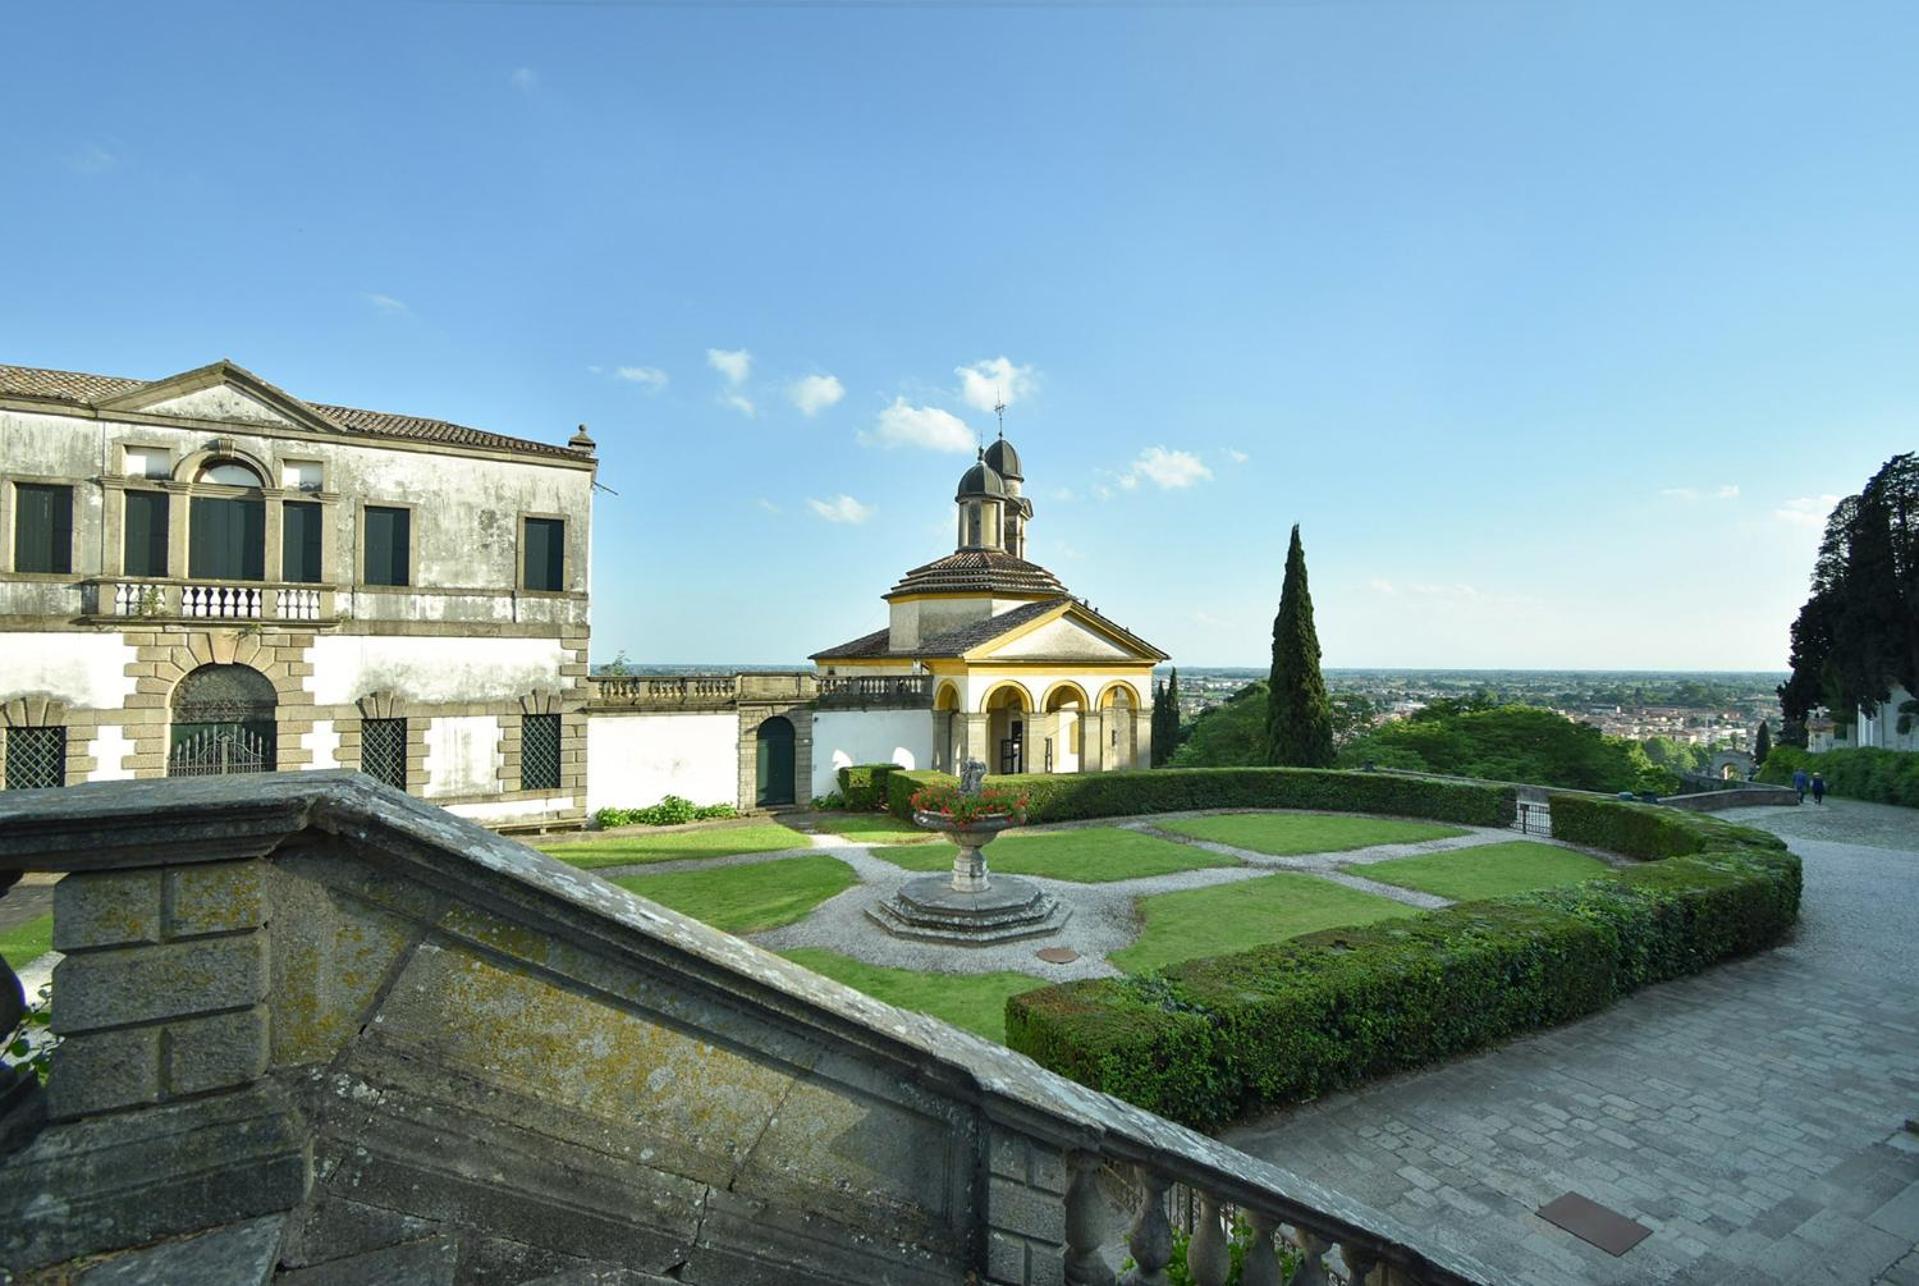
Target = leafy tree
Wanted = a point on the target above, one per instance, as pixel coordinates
(1512, 743)
(1762, 744)
(1229, 735)
(1353, 713)
(1299, 721)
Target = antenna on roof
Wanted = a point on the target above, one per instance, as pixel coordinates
(999, 409)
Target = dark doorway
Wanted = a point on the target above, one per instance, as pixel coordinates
(223, 722)
(775, 776)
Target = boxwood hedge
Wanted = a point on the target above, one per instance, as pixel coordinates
(1879, 776)
(863, 786)
(1209, 1040)
(1066, 797)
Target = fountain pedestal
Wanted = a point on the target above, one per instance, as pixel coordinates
(971, 907)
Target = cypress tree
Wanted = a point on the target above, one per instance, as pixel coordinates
(1299, 719)
(1159, 722)
(1172, 717)
(1762, 744)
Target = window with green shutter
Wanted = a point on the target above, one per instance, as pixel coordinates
(227, 539)
(300, 542)
(388, 536)
(145, 548)
(42, 528)
(545, 553)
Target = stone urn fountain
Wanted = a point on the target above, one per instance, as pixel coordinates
(970, 907)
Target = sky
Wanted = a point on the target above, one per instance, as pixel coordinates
(1557, 327)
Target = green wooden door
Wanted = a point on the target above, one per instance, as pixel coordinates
(775, 776)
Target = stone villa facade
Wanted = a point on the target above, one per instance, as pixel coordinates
(205, 574)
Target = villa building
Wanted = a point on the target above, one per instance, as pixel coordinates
(204, 574)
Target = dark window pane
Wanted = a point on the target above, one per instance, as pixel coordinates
(383, 751)
(36, 758)
(545, 553)
(387, 535)
(145, 550)
(42, 528)
(300, 542)
(540, 752)
(227, 539)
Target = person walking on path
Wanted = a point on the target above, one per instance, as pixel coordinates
(1800, 782)
(1818, 789)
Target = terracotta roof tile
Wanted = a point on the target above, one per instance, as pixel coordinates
(979, 571)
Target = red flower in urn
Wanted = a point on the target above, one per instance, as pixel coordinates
(951, 804)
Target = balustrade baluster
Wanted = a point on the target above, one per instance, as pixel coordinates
(1208, 1257)
(1360, 1259)
(1084, 1224)
(1261, 1266)
(1312, 1259)
(1151, 1240)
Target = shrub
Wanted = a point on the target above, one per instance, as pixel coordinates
(1877, 776)
(670, 811)
(1207, 1040)
(1073, 797)
(863, 786)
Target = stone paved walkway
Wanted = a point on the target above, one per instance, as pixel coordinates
(1751, 1115)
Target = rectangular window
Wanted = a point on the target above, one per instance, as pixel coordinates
(227, 539)
(383, 751)
(36, 758)
(144, 552)
(540, 752)
(42, 528)
(388, 534)
(300, 542)
(545, 553)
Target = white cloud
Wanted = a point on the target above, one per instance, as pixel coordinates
(841, 508)
(985, 384)
(1237, 457)
(739, 402)
(733, 363)
(1167, 470)
(767, 505)
(1806, 511)
(901, 425)
(1066, 495)
(524, 79)
(92, 159)
(1379, 586)
(814, 393)
(651, 378)
(1727, 491)
(385, 303)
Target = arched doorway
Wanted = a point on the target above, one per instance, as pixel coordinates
(223, 722)
(1007, 708)
(1067, 703)
(1117, 706)
(774, 776)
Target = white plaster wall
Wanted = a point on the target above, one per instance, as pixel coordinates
(324, 742)
(463, 756)
(845, 737)
(111, 746)
(507, 810)
(85, 670)
(635, 760)
(1063, 638)
(1881, 729)
(346, 668)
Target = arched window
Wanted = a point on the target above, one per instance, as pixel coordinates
(229, 473)
(223, 722)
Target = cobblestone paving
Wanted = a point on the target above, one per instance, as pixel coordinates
(1751, 1116)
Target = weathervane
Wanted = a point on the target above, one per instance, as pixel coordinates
(999, 409)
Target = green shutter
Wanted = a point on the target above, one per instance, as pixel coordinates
(387, 533)
(545, 553)
(42, 528)
(227, 539)
(145, 546)
(300, 542)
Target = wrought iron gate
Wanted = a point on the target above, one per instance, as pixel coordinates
(216, 750)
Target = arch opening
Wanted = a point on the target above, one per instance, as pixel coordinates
(223, 723)
(774, 763)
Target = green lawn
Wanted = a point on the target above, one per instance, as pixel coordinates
(27, 941)
(675, 846)
(1089, 856)
(975, 1001)
(1488, 872)
(748, 899)
(1285, 834)
(854, 825)
(1247, 913)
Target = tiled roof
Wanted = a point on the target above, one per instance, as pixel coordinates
(82, 389)
(873, 644)
(985, 571)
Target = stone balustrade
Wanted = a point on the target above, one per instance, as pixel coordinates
(714, 691)
(210, 601)
(310, 1022)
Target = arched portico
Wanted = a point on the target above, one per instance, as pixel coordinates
(1061, 735)
(1120, 711)
(1008, 708)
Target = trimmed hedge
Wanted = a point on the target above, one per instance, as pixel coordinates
(1877, 776)
(863, 786)
(1209, 1040)
(1066, 797)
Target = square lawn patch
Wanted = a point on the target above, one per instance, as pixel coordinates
(1092, 856)
(1487, 871)
(1289, 834)
(676, 846)
(748, 899)
(975, 1001)
(882, 826)
(1231, 917)
(26, 942)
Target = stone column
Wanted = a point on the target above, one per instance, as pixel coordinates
(1093, 738)
(1043, 728)
(1142, 739)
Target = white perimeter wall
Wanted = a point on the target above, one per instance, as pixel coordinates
(347, 667)
(463, 756)
(843, 737)
(85, 670)
(633, 760)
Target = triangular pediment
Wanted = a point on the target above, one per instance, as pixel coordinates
(222, 393)
(1071, 632)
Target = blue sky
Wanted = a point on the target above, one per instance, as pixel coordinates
(1556, 325)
